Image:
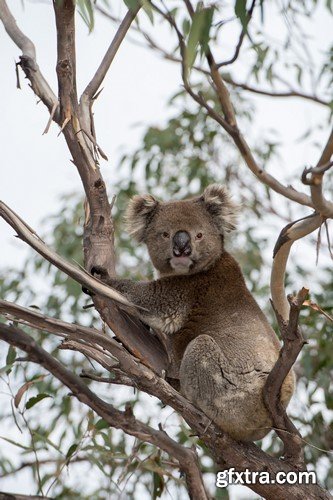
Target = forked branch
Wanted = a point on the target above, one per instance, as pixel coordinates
(293, 342)
(300, 228)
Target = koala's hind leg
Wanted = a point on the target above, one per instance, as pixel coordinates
(210, 381)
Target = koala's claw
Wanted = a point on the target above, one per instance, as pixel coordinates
(87, 291)
(99, 271)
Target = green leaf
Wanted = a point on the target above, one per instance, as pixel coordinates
(241, 12)
(198, 28)
(36, 399)
(10, 358)
(205, 37)
(148, 10)
(6, 368)
(101, 424)
(132, 4)
(16, 444)
(11, 355)
(71, 450)
(158, 482)
(86, 11)
(186, 27)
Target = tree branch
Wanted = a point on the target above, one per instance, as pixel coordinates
(120, 420)
(293, 342)
(66, 59)
(83, 277)
(224, 449)
(289, 234)
(93, 86)
(28, 59)
(61, 328)
(270, 93)
(91, 351)
(18, 496)
(300, 228)
(229, 121)
(323, 206)
(118, 377)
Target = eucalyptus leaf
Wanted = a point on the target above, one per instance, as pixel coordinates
(36, 399)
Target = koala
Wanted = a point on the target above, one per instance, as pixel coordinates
(219, 343)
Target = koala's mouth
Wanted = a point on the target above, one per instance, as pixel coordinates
(181, 264)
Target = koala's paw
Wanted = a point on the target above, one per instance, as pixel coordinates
(99, 272)
(87, 291)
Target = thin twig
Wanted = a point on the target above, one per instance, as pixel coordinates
(241, 38)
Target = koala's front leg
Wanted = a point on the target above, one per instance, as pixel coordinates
(164, 304)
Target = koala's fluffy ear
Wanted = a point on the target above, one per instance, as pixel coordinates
(139, 213)
(218, 203)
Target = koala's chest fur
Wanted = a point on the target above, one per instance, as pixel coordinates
(169, 323)
(219, 305)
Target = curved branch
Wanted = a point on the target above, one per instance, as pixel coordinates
(126, 421)
(289, 234)
(241, 38)
(268, 93)
(323, 206)
(299, 229)
(28, 59)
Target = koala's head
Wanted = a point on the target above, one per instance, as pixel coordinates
(183, 237)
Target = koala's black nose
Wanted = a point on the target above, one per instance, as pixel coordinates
(181, 244)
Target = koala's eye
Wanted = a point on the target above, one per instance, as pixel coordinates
(199, 236)
(166, 235)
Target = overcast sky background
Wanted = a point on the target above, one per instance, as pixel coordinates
(36, 169)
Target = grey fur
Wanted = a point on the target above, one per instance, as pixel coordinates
(219, 343)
